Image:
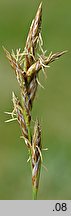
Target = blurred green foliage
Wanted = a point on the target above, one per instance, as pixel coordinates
(52, 105)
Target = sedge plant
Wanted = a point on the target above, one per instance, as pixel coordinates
(27, 64)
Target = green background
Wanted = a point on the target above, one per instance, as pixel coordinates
(52, 105)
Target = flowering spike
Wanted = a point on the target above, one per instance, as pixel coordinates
(26, 65)
(32, 38)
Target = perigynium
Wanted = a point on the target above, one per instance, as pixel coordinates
(27, 64)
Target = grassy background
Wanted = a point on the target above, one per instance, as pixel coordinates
(52, 105)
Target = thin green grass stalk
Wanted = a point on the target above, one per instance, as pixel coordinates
(27, 64)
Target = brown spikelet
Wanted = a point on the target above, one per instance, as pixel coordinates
(20, 116)
(32, 38)
(36, 155)
(26, 103)
(20, 74)
(32, 91)
(28, 95)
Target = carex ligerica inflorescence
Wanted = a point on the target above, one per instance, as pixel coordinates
(27, 64)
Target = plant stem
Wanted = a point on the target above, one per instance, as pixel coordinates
(34, 191)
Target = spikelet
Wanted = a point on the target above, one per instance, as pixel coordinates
(36, 155)
(52, 57)
(43, 62)
(22, 80)
(32, 38)
(20, 74)
(25, 103)
(32, 91)
(20, 116)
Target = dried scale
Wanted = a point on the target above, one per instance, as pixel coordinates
(27, 65)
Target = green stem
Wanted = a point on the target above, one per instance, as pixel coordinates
(34, 194)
